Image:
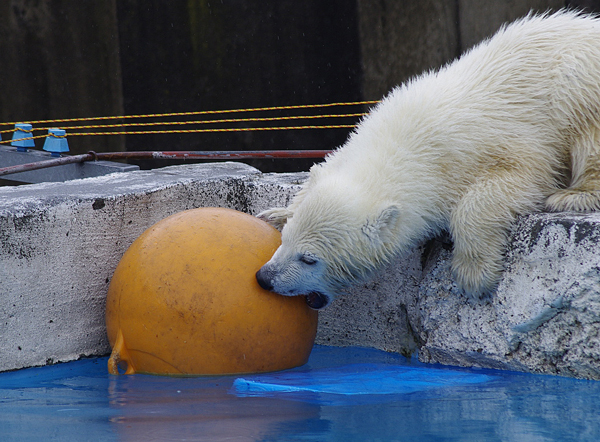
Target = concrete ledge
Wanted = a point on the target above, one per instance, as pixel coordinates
(60, 243)
(544, 318)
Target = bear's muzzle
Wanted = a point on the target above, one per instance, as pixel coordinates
(315, 300)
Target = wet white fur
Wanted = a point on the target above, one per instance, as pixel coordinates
(510, 127)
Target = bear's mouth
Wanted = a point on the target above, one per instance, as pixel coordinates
(316, 300)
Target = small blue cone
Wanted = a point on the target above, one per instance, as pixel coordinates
(22, 130)
(56, 142)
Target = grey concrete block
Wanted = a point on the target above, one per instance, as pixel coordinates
(544, 317)
(60, 243)
(375, 314)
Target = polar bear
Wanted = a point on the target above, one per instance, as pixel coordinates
(511, 127)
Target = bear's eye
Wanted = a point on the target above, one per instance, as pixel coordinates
(308, 259)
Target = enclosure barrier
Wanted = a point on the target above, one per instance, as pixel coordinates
(60, 244)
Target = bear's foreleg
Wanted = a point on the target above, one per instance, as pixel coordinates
(479, 226)
(583, 194)
(277, 216)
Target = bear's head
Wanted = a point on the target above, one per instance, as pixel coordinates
(332, 237)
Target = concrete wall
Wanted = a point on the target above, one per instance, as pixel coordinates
(61, 60)
(400, 39)
(60, 243)
(84, 59)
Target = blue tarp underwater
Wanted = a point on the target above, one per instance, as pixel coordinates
(354, 382)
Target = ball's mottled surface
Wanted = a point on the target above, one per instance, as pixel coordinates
(184, 300)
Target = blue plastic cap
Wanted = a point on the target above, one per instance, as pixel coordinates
(56, 142)
(22, 130)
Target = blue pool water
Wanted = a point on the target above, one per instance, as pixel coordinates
(342, 394)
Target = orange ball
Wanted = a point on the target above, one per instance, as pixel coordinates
(184, 300)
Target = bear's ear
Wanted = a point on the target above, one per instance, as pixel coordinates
(277, 216)
(383, 227)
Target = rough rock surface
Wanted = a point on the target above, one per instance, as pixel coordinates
(544, 317)
(60, 243)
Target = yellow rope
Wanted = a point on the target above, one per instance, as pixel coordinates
(234, 129)
(228, 120)
(187, 131)
(209, 112)
(23, 139)
(201, 122)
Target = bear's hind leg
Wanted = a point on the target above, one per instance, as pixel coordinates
(479, 227)
(583, 195)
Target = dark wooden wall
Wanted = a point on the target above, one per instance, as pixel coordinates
(60, 59)
(230, 54)
(68, 58)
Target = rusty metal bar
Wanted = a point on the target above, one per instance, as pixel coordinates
(215, 155)
(174, 155)
(45, 163)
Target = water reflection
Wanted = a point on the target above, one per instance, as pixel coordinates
(80, 401)
(154, 408)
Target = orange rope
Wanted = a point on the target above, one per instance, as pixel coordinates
(187, 131)
(234, 129)
(228, 120)
(209, 112)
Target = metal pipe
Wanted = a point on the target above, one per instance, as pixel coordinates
(46, 163)
(174, 155)
(215, 155)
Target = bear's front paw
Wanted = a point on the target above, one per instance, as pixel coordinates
(476, 278)
(568, 200)
(277, 216)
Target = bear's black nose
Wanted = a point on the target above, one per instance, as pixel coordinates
(264, 282)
